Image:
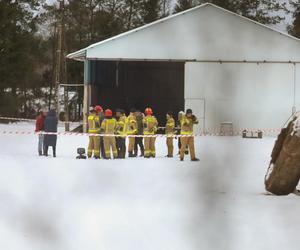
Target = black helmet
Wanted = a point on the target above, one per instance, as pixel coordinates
(189, 111)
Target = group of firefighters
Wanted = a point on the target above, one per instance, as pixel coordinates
(141, 131)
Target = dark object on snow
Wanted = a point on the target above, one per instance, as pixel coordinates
(284, 171)
(252, 134)
(50, 125)
(81, 152)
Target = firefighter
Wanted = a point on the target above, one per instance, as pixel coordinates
(150, 128)
(108, 127)
(100, 113)
(94, 128)
(139, 140)
(170, 131)
(121, 132)
(187, 123)
(180, 116)
(131, 129)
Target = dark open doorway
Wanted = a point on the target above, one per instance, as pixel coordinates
(159, 85)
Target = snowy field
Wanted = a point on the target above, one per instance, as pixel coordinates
(140, 204)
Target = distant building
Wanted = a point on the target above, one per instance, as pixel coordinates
(222, 65)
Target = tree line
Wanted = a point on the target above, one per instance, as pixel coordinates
(28, 38)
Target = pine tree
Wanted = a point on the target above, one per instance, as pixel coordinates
(20, 55)
(150, 10)
(263, 11)
(294, 29)
(182, 5)
(131, 14)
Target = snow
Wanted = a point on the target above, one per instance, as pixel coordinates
(218, 203)
(297, 126)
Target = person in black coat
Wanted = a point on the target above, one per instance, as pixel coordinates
(50, 125)
(139, 140)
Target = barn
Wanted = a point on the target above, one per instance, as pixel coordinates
(227, 68)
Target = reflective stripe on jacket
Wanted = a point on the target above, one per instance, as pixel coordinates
(108, 126)
(94, 123)
(131, 125)
(170, 126)
(187, 124)
(150, 125)
(121, 126)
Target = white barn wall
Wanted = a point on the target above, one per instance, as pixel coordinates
(249, 95)
(203, 33)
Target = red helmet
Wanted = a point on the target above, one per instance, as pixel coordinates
(108, 112)
(148, 111)
(98, 108)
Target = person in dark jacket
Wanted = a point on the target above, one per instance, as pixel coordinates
(51, 122)
(139, 140)
(39, 127)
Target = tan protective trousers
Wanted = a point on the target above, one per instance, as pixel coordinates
(94, 145)
(170, 145)
(149, 143)
(187, 141)
(110, 143)
(131, 144)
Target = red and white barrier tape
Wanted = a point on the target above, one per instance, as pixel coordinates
(214, 131)
(208, 133)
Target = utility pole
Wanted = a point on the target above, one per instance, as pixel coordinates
(60, 64)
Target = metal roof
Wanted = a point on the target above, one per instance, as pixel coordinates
(81, 55)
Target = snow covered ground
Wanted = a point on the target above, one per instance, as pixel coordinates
(135, 204)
